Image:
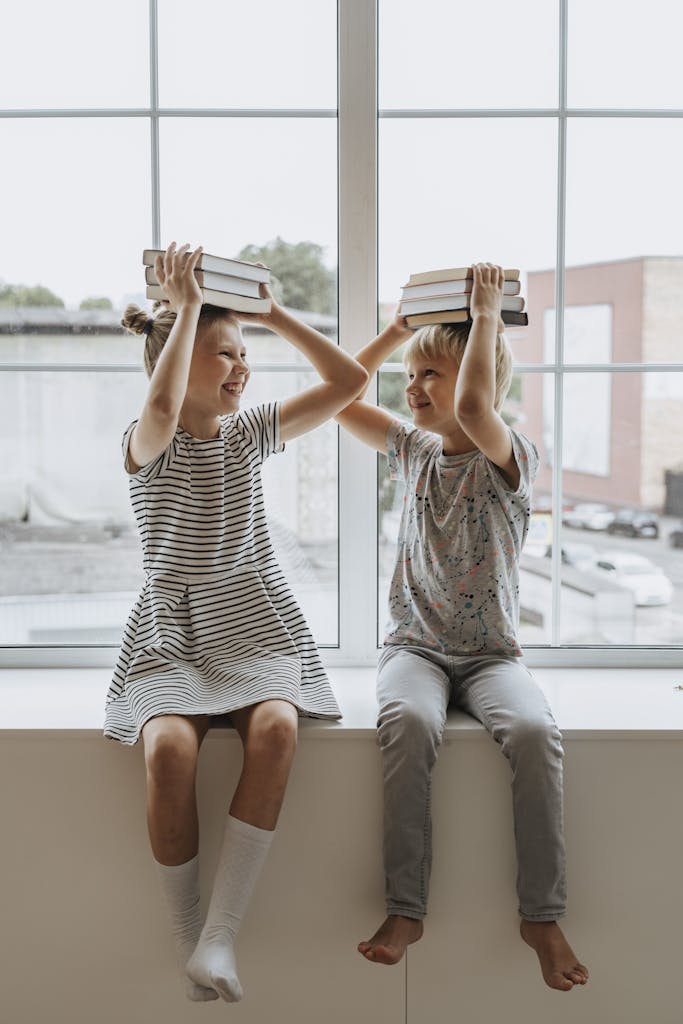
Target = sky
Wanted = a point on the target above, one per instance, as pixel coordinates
(75, 207)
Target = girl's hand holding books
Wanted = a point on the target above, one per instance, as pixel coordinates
(400, 324)
(175, 274)
(261, 318)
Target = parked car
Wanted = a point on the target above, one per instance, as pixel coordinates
(676, 537)
(648, 583)
(589, 515)
(578, 555)
(632, 522)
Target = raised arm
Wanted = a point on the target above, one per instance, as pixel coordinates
(159, 417)
(342, 377)
(364, 420)
(475, 390)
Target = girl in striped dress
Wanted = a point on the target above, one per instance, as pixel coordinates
(215, 629)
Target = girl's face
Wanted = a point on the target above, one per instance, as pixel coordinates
(218, 370)
(430, 392)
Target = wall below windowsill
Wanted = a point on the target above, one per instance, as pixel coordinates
(587, 703)
(85, 935)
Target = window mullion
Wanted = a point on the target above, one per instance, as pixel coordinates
(357, 95)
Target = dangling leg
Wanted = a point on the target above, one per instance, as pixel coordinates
(413, 695)
(268, 731)
(172, 745)
(501, 693)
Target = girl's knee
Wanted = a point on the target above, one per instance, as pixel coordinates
(171, 750)
(273, 728)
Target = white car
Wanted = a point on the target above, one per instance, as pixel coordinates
(588, 515)
(647, 582)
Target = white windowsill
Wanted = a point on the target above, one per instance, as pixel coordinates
(588, 703)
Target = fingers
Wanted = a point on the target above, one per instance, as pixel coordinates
(489, 273)
(193, 259)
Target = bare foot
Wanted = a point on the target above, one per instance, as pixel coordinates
(389, 942)
(559, 964)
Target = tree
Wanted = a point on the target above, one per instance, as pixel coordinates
(304, 280)
(28, 295)
(96, 303)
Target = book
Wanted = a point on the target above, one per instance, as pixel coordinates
(463, 285)
(219, 282)
(462, 316)
(218, 265)
(226, 300)
(440, 302)
(454, 274)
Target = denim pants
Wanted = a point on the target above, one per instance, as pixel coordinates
(415, 685)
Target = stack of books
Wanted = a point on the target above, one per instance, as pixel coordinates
(231, 284)
(443, 297)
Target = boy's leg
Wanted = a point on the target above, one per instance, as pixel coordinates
(502, 694)
(413, 692)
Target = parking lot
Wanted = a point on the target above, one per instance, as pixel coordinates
(663, 623)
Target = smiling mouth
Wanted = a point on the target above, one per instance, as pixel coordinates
(419, 405)
(233, 388)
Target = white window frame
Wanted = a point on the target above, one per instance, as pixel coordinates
(357, 261)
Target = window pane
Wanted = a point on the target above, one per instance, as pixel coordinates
(624, 56)
(75, 54)
(439, 209)
(624, 230)
(269, 54)
(522, 411)
(440, 54)
(76, 215)
(250, 198)
(622, 506)
(70, 558)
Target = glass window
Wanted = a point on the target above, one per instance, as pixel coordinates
(73, 231)
(624, 56)
(441, 208)
(468, 55)
(70, 557)
(269, 54)
(75, 54)
(622, 516)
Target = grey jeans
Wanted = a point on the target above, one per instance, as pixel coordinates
(415, 685)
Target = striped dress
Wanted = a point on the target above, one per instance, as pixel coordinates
(215, 627)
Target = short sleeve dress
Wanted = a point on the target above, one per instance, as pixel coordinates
(216, 627)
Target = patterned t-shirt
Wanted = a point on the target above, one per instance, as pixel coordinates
(455, 586)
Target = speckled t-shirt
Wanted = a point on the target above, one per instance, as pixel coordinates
(455, 586)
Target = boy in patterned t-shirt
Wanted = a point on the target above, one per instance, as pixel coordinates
(453, 616)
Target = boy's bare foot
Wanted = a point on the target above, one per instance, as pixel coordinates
(389, 942)
(559, 964)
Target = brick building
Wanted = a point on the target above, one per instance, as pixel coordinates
(622, 431)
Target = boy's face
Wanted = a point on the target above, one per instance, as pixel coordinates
(430, 392)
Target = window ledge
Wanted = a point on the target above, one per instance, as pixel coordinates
(588, 703)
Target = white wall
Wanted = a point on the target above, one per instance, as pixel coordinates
(84, 936)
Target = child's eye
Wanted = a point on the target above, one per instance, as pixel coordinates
(428, 371)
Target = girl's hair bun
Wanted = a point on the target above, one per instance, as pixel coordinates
(135, 319)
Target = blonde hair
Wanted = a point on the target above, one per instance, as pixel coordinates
(157, 326)
(449, 340)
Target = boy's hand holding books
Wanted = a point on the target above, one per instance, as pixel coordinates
(487, 292)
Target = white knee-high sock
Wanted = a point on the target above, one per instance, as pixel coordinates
(244, 851)
(180, 886)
